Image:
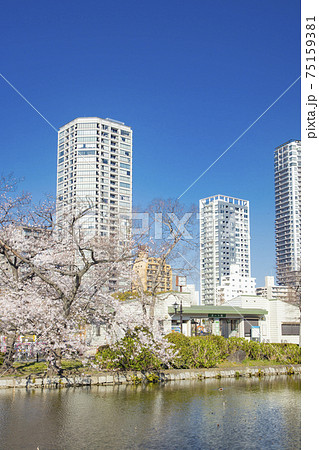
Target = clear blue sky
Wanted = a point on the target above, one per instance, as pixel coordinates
(188, 76)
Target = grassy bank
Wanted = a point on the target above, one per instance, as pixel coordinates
(40, 368)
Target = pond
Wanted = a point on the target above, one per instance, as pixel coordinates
(245, 413)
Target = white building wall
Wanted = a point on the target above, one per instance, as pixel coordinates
(194, 294)
(132, 310)
(283, 312)
(271, 291)
(279, 312)
(234, 285)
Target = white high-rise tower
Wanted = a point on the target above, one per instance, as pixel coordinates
(224, 241)
(288, 212)
(95, 169)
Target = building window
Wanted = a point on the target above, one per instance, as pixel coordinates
(290, 329)
(248, 323)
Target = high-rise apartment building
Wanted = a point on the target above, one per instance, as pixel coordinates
(288, 212)
(224, 240)
(95, 169)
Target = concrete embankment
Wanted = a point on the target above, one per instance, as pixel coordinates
(115, 378)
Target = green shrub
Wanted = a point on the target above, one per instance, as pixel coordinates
(287, 353)
(234, 344)
(191, 352)
(255, 350)
(198, 352)
(152, 378)
(204, 352)
(181, 343)
(129, 354)
(207, 351)
(281, 353)
(136, 380)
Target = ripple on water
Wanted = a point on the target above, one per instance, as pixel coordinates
(211, 414)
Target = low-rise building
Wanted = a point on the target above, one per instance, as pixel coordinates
(191, 288)
(151, 274)
(280, 324)
(271, 291)
(246, 316)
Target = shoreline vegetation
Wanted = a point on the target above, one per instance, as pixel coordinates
(195, 357)
(136, 378)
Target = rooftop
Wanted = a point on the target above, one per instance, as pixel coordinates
(288, 142)
(94, 119)
(225, 198)
(210, 309)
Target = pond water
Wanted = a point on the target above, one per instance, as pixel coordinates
(248, 413)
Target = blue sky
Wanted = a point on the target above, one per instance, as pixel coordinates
(188, 76)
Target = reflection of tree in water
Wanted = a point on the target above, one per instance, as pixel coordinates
(185, 414)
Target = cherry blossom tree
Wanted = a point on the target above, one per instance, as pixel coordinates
(170, 235)
(56, 280)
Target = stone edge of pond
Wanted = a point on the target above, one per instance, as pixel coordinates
(117, 378)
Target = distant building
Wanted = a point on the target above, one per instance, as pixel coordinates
(151, 274)
(234, 284)
(271, 291)
(224, 240)
(180, 285)
(191, 288)
(287, 160)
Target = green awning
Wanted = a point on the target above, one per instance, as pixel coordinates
(215, 311)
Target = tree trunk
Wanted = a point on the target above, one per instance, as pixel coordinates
(7, 365)
(55, 363)
(152, 309)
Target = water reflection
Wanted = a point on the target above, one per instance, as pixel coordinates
(248, 413)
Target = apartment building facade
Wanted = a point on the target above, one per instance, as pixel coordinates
(287, 168)
(151, 274)
(234, 284)
(270, 290)
(94, 169)
(224, 240)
